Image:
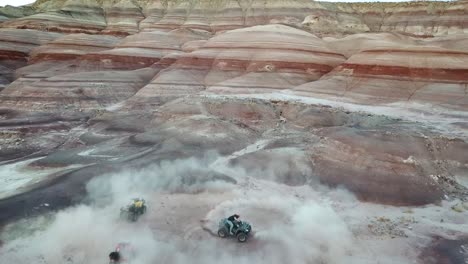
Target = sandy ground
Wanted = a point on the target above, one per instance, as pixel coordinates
(443, 120)
(303, 224)
(18, 178)
(291, 224)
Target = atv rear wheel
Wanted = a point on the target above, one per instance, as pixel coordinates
(222, 232)
(123, 214)
(242, 237)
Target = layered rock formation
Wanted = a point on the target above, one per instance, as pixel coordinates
(72, 46)
(15, 48)
(61, 56)
(144, 49)
(356, 43)
(424, 74)
(123, 19)
(74, 16)
(9, 12)
(76, 91)
(64, 63)
(255, 59)
(252, 60)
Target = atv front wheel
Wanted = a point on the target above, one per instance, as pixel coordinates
(222, 233)
(133, 217)
(242, 237)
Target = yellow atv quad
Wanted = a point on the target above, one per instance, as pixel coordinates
(134, 210)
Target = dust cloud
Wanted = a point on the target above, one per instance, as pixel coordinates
(288, 228)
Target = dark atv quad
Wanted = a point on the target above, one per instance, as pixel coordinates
(133, 211)
(241, 231)
(123, 253)
(114, 257)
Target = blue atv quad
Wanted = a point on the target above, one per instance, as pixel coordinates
(241, 230)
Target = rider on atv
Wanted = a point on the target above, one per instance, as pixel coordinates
(123, 253)
(233, 220)
(233, 227)
(137, 205)
(134, 210)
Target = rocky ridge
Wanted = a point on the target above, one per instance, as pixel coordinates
(127, 17)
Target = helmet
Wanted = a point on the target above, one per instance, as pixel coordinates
(114, 256)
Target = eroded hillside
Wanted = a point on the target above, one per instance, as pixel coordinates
(333, 128)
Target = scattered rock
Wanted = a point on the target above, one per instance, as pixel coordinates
(408, 211)
(382, 226)
(459, 207)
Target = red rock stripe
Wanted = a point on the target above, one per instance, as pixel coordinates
(53, 56)
(58, 99)
(51, 23)
(116, 33)
(12, 55)
(437, 23)
(423, 13)
(116, 57)
(443, 52)
(196, 26)
(59, 29)
(244, 64)
(364, 78)
(423, 73)
(75, 26)
(89, 81)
